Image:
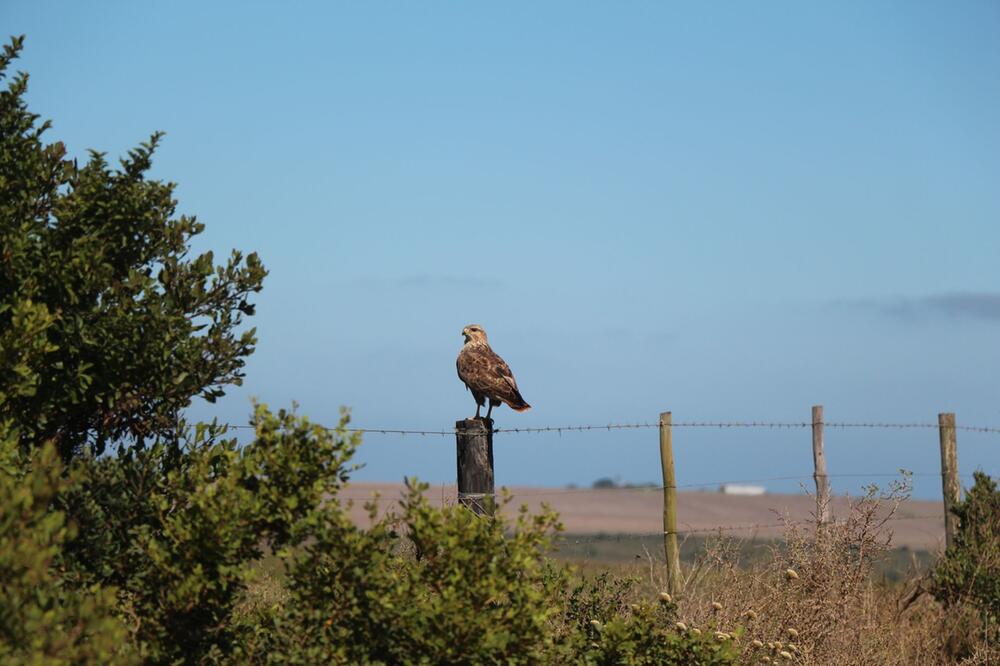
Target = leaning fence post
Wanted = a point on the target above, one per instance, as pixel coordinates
(670, 550)
(474, 448)
(949, 474)
(819, 468)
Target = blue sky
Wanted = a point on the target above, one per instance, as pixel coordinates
(731, 211)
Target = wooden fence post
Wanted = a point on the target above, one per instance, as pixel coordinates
(474, 446)
(670, 549)
(819, 468)
(949, 474)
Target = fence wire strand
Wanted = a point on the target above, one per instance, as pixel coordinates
(773, 425)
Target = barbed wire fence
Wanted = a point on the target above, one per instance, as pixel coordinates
(948, 473)
(774, 425)
(762, 424)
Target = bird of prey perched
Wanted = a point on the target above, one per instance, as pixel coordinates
(486, 374)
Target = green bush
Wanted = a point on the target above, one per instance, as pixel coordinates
(969, 572)
(179, 530)
(444, 586)
(43, 620)
(453, 590)
(150, 555)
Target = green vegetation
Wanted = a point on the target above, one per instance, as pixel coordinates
(969, 572)
(42, 619)
(164, 560)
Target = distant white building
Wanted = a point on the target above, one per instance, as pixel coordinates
(741, 489)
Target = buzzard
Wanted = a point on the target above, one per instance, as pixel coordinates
(486, 374)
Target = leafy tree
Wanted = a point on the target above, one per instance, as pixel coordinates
(108, 326)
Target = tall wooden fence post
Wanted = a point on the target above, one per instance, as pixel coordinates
(670, 549)
(949, 474)
(819, 468)
(474, 446)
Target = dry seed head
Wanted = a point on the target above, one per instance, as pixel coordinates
(792, 632)
(696, 631)
(596, 624)
(752, 614)
(793, 647)
(786, 655)
(716, 606)
(791, 575)
(635, 608)
(681, 626)
(778, 645)
(722, 636)
(595, 645)
(770, 645)
(665, 598)
(765, 659)
(756, 643)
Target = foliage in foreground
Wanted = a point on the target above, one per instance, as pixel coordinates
(969, 572)
(42, 620)
(178, 531)
(457, 590)
(167, 540)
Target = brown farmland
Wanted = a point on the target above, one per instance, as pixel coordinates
(918, 524)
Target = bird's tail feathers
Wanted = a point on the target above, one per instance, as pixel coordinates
(518, 404)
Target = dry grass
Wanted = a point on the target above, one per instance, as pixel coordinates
(816, 601)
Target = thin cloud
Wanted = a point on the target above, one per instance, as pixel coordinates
(960, 304)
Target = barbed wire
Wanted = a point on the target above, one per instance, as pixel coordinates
(648, 425)
(744, 424)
